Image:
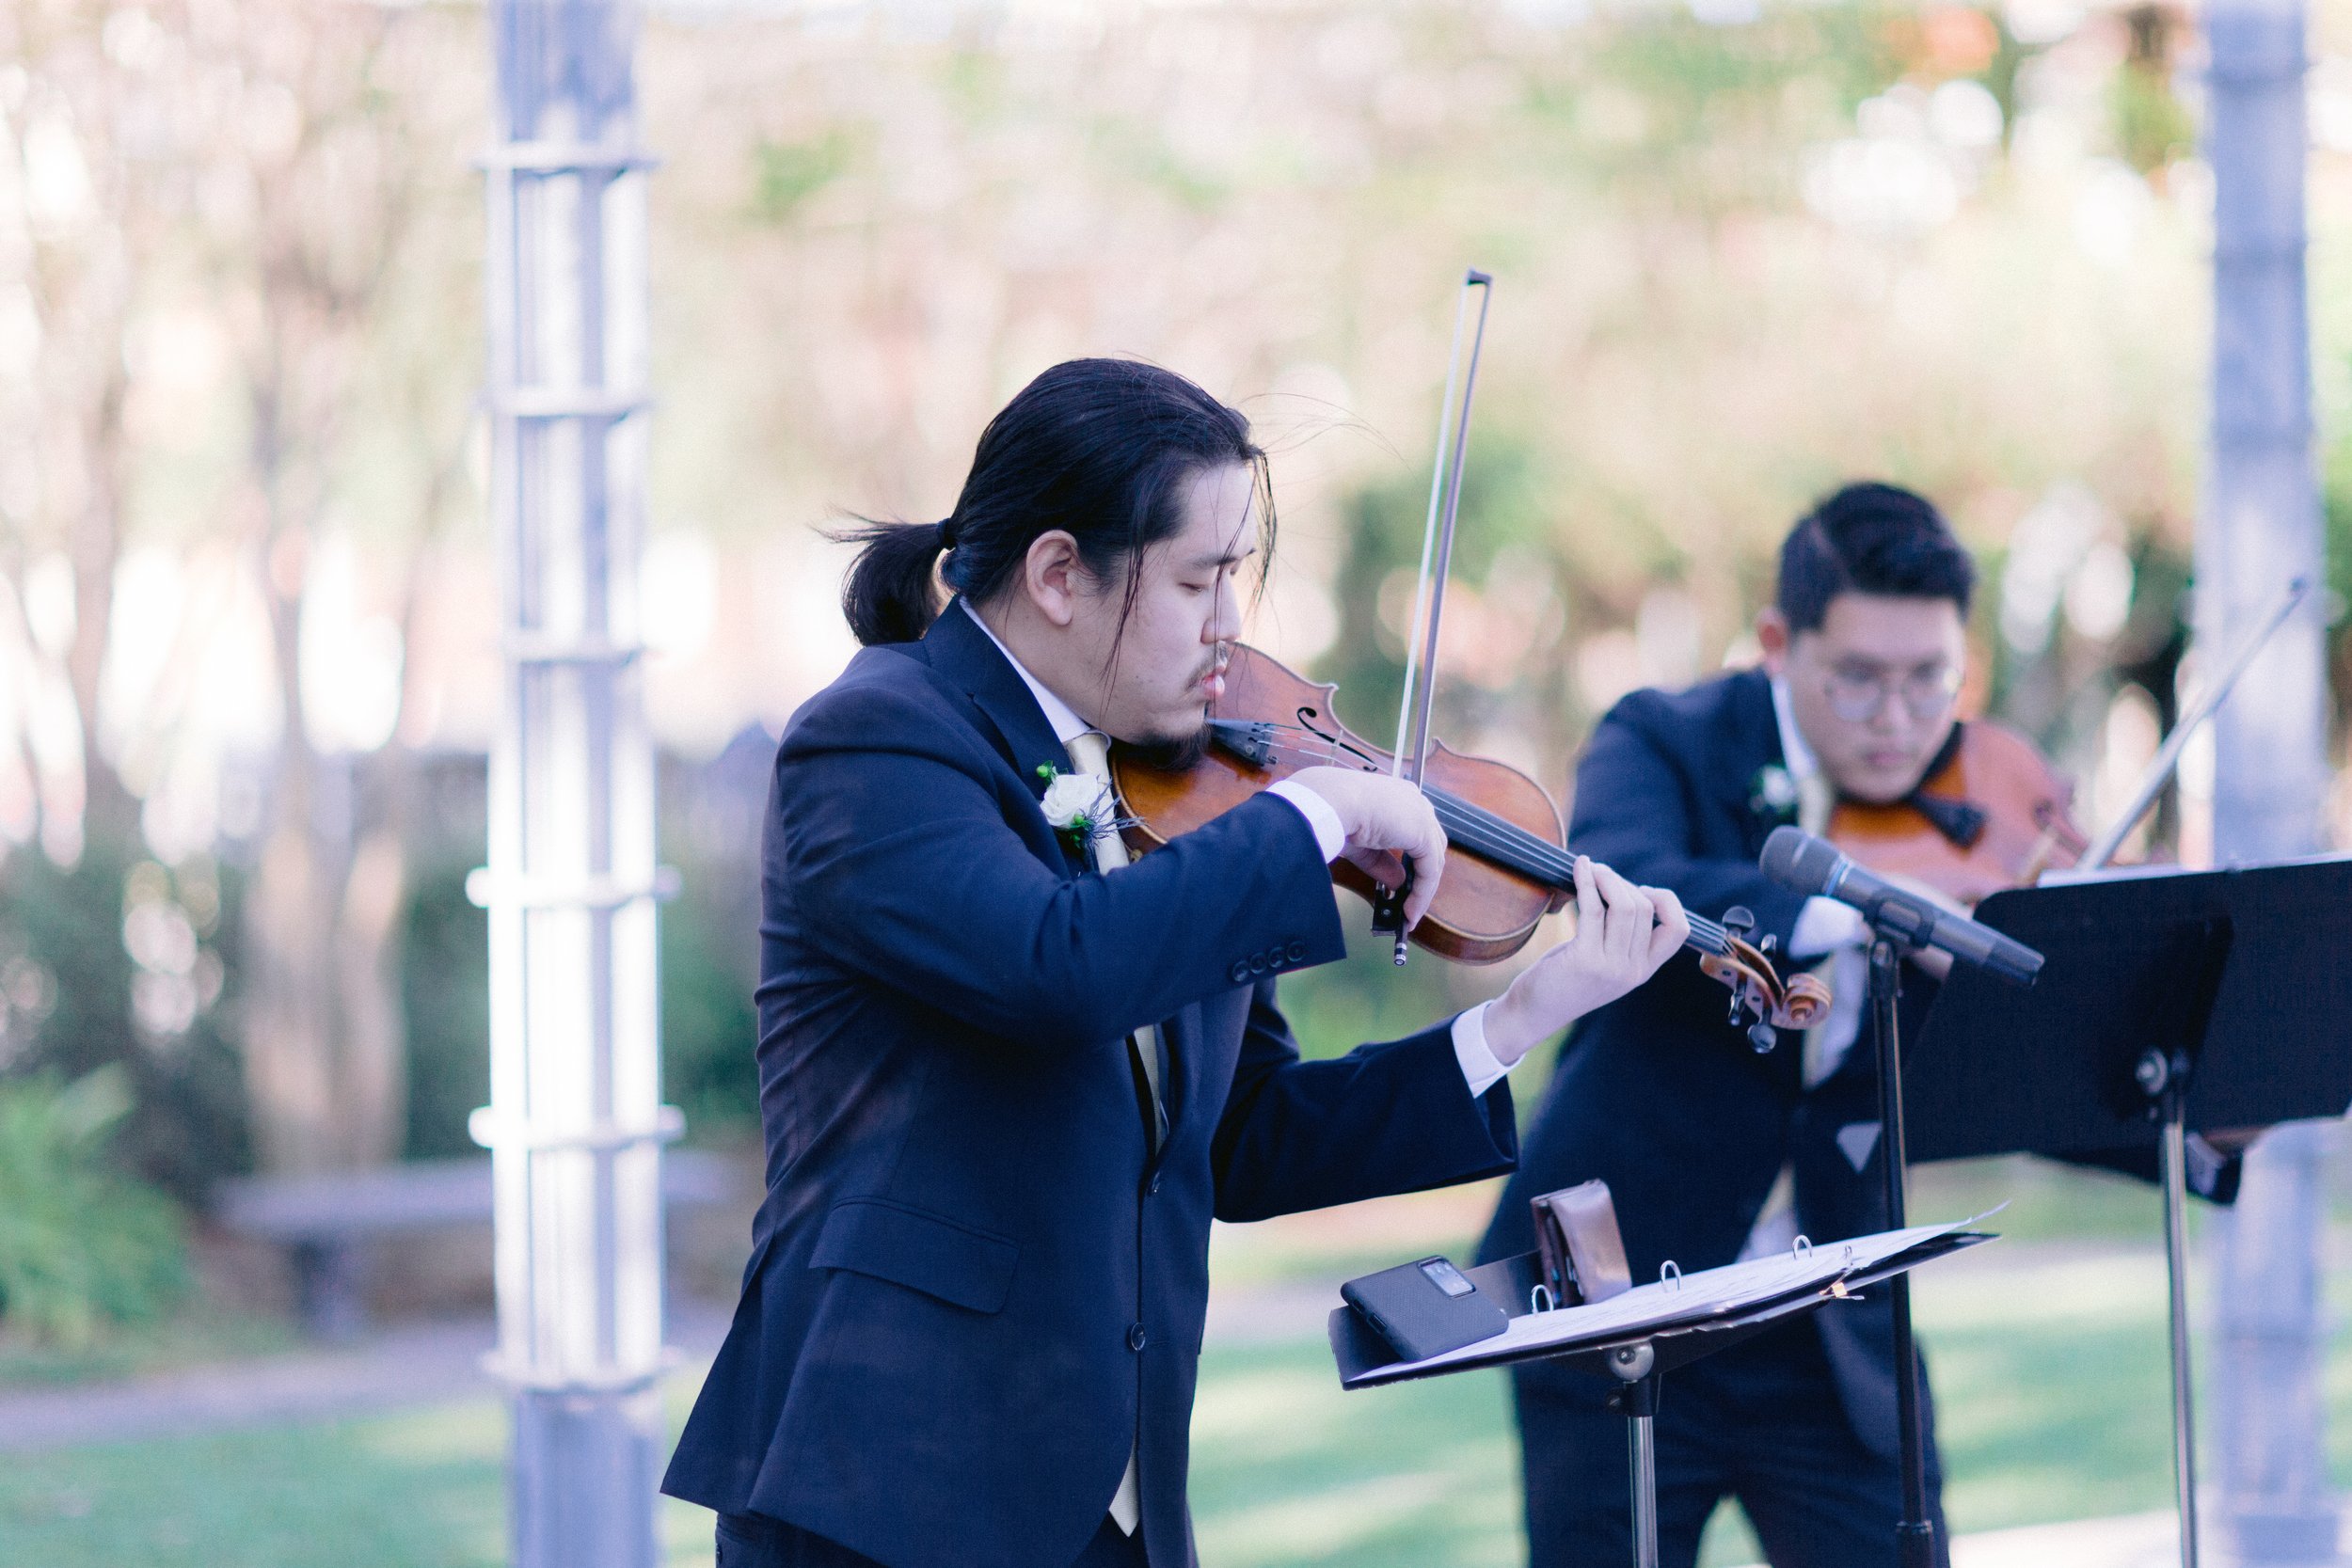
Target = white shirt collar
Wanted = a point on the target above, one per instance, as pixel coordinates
(1065, 720)
(1795, 754)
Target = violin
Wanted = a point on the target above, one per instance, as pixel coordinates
(1991, 812)
(1511, 865)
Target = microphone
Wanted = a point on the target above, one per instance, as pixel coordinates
(1814, 866)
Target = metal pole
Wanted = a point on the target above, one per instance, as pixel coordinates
(1643, 1443)
(2176, 1274)
(1635, 1367)
(1915, 1532)
(2260, 527)
(575, 1120)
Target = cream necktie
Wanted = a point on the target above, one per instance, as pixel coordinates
(1090, 752)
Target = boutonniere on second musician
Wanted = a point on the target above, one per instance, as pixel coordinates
(1077, 806)
(1773, 794)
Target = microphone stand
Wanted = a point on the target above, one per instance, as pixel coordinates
(1890, 943)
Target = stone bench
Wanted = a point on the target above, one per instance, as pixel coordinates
(326, 1221)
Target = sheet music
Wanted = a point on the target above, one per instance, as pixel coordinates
(1711, 1293)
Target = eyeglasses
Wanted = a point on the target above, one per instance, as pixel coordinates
(1857, 696)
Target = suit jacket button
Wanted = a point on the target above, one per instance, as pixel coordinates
(1240, 971)
(1135, 1338)
(1297, 951)
(1256, 962)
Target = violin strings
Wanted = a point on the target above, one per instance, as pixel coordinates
(1497, 838)
(1506, 842)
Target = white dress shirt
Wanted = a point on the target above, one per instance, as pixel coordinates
(1824, 928)
(1481, 1070)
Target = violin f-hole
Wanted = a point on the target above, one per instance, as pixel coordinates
(1307, 717)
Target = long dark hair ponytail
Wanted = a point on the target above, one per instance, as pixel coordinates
(1099, 449)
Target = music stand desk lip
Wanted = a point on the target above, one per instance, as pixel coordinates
(1364, 1361)
(2068, 876)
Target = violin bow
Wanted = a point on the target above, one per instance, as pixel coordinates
(1411, 755)
(2167, 758)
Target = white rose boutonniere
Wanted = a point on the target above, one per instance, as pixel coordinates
(1773, 794)
(1077, 806)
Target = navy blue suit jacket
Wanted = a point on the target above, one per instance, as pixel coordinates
(972, 1290)
(1654, 1094)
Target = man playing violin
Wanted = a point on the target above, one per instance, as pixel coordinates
(1007, 1083)
(1712, 1151)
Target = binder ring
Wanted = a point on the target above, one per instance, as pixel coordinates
(1539, 1299)
(1670, 1275)
(1802, 1247)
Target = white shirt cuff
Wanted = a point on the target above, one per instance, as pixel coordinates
(1825, 926)
(1331, 837)
(1479, 1070)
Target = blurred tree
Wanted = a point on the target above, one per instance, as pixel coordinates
(343, 157)
(91, 183)
(2152, 128)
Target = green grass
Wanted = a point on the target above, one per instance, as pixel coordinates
(2049, 1363)
(195, 1334)
(2049, 1366)
(420, 1489)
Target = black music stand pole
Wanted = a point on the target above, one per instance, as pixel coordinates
(2163, 1076)
(1636, 1367)
(1915, 1534)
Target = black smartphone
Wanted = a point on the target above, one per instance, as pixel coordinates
(1425, 1308)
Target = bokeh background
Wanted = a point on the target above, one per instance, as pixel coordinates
(247, 606)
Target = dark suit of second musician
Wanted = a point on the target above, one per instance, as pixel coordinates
(1691, 1128)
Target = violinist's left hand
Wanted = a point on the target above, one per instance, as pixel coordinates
(1623, 933)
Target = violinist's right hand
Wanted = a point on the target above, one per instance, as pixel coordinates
(1383, 816)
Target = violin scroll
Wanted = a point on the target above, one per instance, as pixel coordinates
(1760, 999)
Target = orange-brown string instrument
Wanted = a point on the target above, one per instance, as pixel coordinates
(1989, 812)
(1511, 867)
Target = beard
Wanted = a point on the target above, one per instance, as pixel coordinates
(1175, 754)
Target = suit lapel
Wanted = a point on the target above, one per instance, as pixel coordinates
(1751, 743)
(962, 652)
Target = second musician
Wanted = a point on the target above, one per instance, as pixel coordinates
(1712, 1151)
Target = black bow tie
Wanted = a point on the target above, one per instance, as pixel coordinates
(1957, 820)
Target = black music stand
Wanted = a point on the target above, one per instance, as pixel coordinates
(2170, 1003)
(1639, 1349)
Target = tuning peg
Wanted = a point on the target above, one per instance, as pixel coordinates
(1738, 920)
(1763, 1036)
